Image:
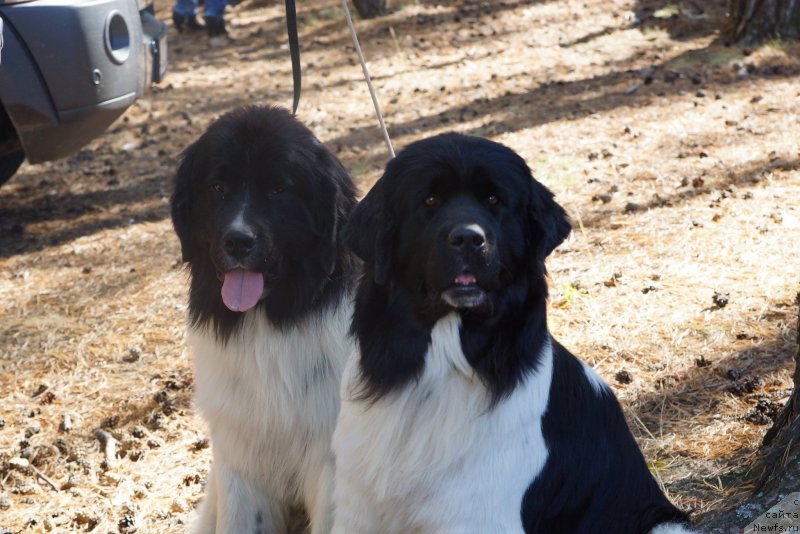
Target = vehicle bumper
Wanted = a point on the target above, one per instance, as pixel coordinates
(75, 128)
(96, 59)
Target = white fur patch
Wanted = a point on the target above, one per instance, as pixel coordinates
(597, 383)
(672, 528)
(270, 398)
(239, 222)
(435, 456)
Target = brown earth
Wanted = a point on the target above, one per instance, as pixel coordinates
(676, 156)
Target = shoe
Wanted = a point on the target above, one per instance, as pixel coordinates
(217, 34)
(216, 26)
(191, 22)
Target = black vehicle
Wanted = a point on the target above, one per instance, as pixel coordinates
(68, 69)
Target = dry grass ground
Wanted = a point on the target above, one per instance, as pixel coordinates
(676, 156)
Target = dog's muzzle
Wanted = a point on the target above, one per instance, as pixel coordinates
(467, 244)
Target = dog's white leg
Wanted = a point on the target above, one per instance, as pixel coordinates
(206, 520)
(318, 496)
(352, 515)
(672, 528)
(242, 506)
(353, 522)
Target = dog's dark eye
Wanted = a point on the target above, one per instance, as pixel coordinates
(432, 201)
(278, 190)
(493, 200)
(218, 188)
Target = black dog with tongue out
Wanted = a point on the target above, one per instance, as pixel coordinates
(460, 413)
(259, 206)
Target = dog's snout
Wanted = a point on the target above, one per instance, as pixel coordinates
(239, 243)
(467, 237)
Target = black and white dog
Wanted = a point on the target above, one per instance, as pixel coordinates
(258, 206)
(460, 413)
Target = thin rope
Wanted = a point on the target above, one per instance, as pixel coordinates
(369, 80)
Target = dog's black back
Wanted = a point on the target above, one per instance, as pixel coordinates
(596, 479)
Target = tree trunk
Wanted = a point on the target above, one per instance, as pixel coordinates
(371, 8)
(752, 21)
(782, 440)
(774, 474)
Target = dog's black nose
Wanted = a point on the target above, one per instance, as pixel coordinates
(467, 237)
(239, 243)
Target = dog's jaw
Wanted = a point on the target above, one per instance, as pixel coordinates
(465, 297)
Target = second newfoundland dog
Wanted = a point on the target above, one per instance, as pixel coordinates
(460, 413)
(259, 204)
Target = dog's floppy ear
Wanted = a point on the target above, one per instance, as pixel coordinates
(181, 202)
(332, 201)
(548, 217)
(369, 232)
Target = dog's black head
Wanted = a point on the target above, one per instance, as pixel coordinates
(456, 223)
(258, 206)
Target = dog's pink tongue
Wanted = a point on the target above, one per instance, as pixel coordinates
(242, 289)
(465, 279)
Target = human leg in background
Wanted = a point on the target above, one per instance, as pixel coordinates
(215, 21)
(184, 15)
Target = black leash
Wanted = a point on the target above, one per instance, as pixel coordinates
(294, 51)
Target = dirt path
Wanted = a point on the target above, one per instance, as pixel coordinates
(676, 156)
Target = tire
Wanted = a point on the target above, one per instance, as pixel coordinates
(9, 163)
(11, 153)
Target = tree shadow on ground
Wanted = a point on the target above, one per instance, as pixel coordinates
(683, 19)
(326, 28)
(691, 398)
(457, 14)
(70, 215)
(322, 27)
(104, 207)
(749, 175)
(555, 100)
(141, 197)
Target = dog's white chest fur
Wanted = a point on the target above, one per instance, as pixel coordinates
(270, 397)
(435, 456)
